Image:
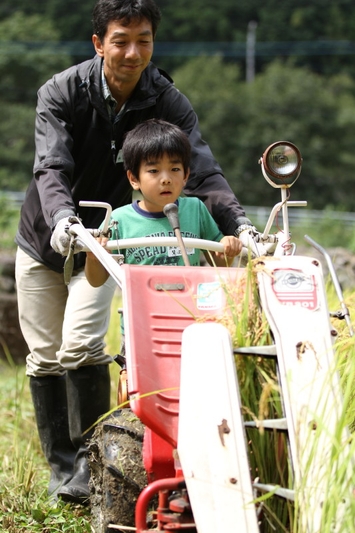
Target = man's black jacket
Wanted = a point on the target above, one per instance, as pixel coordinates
(77, 155)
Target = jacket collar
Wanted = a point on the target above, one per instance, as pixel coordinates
(152, 83)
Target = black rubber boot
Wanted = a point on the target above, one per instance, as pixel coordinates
(50, 403)
(88, 392)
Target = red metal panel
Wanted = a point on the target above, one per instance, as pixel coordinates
(159, 303)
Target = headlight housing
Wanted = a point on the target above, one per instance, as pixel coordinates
(281, 164)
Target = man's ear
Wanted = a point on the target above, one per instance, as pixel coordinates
(133, 181)
(96, 41)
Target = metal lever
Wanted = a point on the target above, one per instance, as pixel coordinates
(69, 261)
(333, 274)
(171, 213)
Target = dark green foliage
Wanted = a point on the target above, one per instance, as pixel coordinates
(72, 18)
(241, 120)
(303, 90)
(27, 60)
(28, 56)
(17, 145)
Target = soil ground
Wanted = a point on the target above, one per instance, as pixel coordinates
(117, 472)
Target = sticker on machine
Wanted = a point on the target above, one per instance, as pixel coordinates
(295, 288)
(209, 296)
(175, 251)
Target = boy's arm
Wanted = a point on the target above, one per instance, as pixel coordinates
(95, 272)
(232, 247)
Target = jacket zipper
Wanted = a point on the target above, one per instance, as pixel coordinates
(113, 150)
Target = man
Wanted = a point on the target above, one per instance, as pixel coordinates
(82, 116)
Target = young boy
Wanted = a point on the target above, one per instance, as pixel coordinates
(156, 156)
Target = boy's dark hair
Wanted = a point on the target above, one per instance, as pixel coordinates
(150, 140)
(125, 11)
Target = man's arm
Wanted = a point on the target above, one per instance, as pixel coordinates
(54, 163)
(206, 180)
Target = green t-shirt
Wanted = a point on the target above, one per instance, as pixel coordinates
(195, 222)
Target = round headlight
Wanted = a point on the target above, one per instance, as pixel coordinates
(281, 164)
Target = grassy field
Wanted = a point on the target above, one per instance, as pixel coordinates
(24, 506)
(24, 474)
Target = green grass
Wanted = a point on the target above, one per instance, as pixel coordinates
(9, 217)
(24, 506)
(24, 475)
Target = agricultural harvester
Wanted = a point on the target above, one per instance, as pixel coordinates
(185, 423)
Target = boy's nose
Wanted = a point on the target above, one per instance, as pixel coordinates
(166, 178)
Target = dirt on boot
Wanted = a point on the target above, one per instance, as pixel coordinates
(117, 472)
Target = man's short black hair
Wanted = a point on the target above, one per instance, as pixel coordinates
(153, 139)
(125, 11)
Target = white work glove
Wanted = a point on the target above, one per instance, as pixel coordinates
(248, 242)
(253, 245)
(60, 240)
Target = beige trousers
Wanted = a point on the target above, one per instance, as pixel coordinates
(64, 326)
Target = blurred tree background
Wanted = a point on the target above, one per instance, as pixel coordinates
(256, 72)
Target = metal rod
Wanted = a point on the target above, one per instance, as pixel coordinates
(334, 279)
(104, 205)
(286, 225)
(171, 213)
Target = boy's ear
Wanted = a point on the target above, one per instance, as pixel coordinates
(187, 176)
(133, 180)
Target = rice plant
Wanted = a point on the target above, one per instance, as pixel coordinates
(268, 450)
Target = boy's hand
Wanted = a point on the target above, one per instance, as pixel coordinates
(96, 273)
(232, 247)
(103, 241)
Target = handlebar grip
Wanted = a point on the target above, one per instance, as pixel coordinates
(171, 212)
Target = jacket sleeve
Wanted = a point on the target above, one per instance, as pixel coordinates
(206, 180)
(54, 165)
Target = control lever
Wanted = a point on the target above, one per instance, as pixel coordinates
(171, 213)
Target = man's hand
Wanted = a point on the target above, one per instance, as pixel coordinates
(60, 240)
(253, 244)
(247, 237)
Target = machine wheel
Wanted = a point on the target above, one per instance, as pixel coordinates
(117, 472)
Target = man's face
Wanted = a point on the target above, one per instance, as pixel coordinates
(126, 50)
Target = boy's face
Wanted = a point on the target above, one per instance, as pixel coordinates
(160, 182)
